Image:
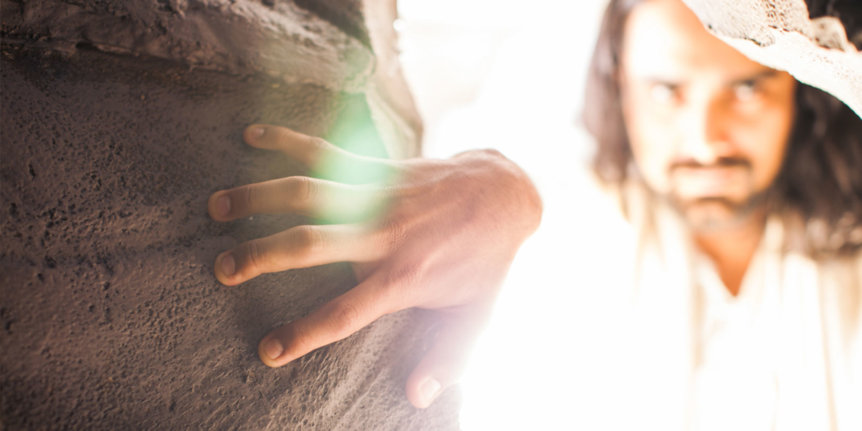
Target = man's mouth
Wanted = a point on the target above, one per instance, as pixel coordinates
(719, 180)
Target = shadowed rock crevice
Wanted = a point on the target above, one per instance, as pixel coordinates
(849, 12)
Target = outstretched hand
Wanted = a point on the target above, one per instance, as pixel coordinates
(434, 234)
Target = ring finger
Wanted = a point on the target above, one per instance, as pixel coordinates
(298, 247)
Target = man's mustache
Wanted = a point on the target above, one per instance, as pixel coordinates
(724, 162)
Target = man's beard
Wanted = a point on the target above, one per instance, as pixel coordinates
(717, 212)
(712, 214)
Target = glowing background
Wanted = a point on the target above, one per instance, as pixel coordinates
(509, 75)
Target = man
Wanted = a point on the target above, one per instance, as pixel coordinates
(744, 189)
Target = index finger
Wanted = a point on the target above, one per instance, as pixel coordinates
(326, 159)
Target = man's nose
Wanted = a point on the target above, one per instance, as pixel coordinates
(706, 126)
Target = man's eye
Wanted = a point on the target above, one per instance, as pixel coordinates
(746, 90)
(663, 92)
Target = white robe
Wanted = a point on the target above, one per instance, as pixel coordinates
(609, 322)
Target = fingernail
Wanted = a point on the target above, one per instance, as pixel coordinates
(228, 265)
(256, 132)
(272, 348)
(429, 390)
(222, 205)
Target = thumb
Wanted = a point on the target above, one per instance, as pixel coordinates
(444, 363)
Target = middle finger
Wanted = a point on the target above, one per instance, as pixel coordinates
(326, 200)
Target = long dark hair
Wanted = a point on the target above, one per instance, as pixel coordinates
(820, 183)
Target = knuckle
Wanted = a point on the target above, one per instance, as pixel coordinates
(315, 143)
(394, 232)
(301, 190)
(306, 240)
(246, 197)
(279, 134)
(314, 147)
(492, 153)
(345, 317)
(254, 256)
(299, 345)
(483, 153)
(295, 341)
(403, 276)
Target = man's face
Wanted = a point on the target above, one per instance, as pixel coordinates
(708, 127)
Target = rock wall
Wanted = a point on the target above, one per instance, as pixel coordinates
(119, 119)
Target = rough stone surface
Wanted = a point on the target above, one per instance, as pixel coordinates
(278, 38)
(111, 317)
(783, 35)
(120, 118)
